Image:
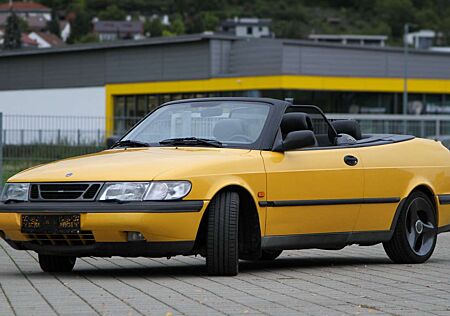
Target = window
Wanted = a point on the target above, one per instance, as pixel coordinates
(119, 113)
(249, 30)
(231, 122)
(141, 106)
(434, 103)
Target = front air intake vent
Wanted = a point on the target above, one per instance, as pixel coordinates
(83, 238)
(91, 192)
(64, 191)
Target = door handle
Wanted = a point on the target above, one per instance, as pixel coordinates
(351, 160)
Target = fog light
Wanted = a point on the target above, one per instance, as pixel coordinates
(135, 236)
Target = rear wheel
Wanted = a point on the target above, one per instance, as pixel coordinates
(222, 254)
(50, 263)
(269, 255)
(415, 235)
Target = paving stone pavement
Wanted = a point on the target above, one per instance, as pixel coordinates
(355, 280)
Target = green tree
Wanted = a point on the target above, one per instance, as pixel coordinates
(89, 38)
(80, 27)
(395, 13)
(445, 27)
(13, 33)
(112, 13)
(53, 25)
(210, 21)
(177, 26)
(153, 27)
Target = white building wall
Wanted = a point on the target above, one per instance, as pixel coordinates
(65, 32)
(72, 102)
(73, 115)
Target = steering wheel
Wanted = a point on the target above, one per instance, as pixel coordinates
(240, 137)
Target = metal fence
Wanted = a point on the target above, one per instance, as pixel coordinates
(417, 125)
(27, 140)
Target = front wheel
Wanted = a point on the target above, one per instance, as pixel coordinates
(222, 253)
(415, 235)
(50, 263)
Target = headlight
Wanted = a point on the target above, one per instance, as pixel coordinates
(15, 192)
(167, 190)
(145, 191)
(124, 191)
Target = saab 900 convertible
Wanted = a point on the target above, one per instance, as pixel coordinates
(230, 179)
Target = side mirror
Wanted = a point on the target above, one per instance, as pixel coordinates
(112, 140)
(297, 140)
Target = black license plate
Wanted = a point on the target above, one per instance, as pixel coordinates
(50, 224)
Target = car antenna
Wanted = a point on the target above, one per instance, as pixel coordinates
(290, 100)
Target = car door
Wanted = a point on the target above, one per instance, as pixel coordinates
(387, 176)
(312, 192)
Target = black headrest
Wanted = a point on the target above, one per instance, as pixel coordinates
(295, 121)
(225, 129)
(349, 127)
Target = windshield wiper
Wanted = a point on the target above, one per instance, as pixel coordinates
(191, 141)
(130, 143)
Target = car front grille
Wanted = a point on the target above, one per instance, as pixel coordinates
(64, 191)
(83, 238)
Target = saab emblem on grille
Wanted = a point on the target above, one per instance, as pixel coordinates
(69, 174)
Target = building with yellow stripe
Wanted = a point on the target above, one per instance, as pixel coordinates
(125, 80)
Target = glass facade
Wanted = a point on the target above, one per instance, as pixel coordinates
(131, 108)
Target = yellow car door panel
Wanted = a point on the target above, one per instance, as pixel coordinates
(388, 174)
(312, 192)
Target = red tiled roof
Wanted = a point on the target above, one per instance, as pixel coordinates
(132, 27)
(52, 39)
(26, 41)
(24, 6)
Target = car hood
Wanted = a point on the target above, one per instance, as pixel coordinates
(132, 164)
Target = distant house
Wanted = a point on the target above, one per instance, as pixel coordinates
(422, 39)
(46, 40)
(344, 39)
(26, 10)
(36, 23)
(28, 42)
(65, 29)
(119, 30)
(34, 14)
(247, 27)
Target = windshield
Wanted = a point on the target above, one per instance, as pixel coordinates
(228, 123)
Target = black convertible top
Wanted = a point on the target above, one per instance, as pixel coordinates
(270, 135)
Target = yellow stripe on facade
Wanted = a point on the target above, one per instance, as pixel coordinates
(281, 82)
(363, 84)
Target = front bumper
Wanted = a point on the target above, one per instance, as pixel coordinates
(169, 227)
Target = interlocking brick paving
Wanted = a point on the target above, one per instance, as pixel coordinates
(355, 280)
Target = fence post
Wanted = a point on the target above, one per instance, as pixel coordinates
(438, 128)
(1, 150)
(422, 128)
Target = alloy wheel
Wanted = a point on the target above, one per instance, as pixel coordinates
(420, 227)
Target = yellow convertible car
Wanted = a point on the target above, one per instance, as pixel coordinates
(230, 179)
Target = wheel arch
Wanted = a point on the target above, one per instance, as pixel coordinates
(421, 187)
(428, 191)
(249, 223)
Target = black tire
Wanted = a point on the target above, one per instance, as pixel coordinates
(222, 254)
(415, 234)
(270, 255)
(56, 263)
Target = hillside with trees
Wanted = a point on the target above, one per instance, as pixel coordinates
(291, 19)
